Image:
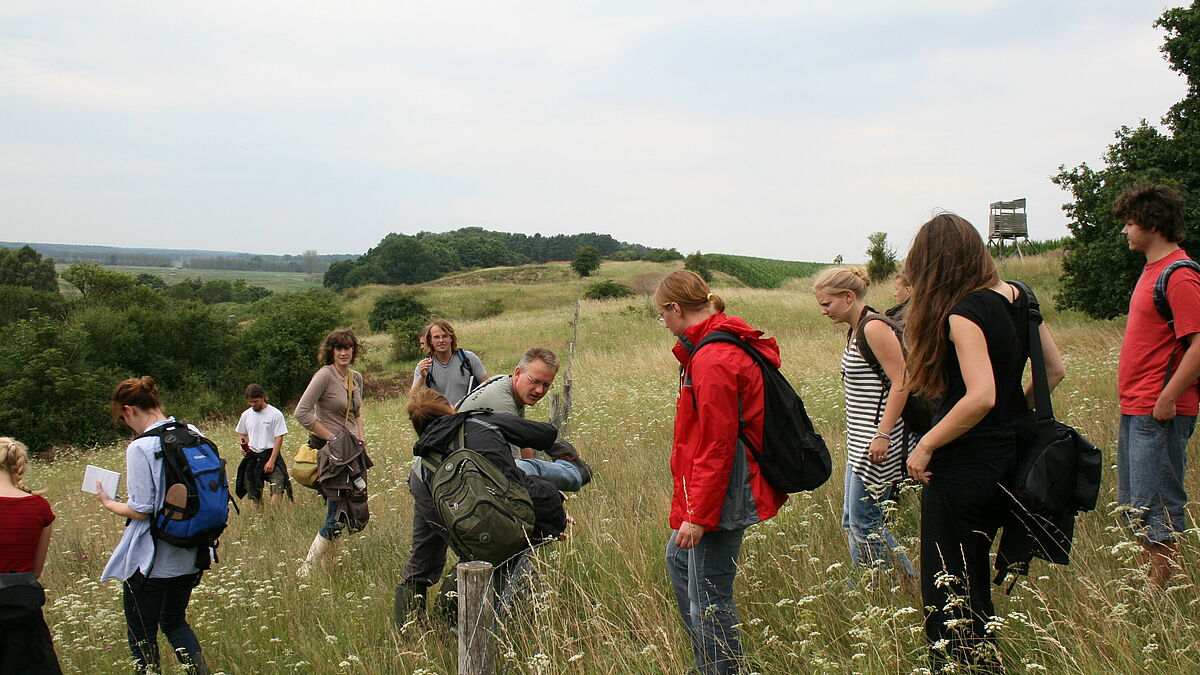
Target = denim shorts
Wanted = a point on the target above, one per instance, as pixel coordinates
(1151, 456)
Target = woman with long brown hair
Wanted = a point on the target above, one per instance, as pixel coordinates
(967, 346)
(331, 407)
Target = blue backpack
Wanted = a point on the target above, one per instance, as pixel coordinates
(196, 491)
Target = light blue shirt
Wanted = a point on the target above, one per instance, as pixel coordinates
(137, 549)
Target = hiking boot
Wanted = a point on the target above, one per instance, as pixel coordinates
(410, 599)
(315, 551)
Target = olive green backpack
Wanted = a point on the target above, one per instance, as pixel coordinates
(486, 515)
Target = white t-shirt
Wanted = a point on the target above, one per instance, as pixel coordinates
(262, 427)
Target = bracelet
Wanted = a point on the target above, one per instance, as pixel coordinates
(880, 434)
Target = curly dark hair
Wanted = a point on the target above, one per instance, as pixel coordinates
(1153, 207)
(342, 337)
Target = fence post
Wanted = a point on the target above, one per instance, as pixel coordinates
(476, 619)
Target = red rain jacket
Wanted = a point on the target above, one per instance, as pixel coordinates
(717, 481)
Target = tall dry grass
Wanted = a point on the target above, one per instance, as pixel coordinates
(604, 604)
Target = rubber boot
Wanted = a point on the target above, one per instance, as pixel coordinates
(410, 599)
(315, 551)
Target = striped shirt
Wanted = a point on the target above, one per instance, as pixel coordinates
(866, 397)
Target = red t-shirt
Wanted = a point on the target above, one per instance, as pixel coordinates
(22, 520)
(1149, 342)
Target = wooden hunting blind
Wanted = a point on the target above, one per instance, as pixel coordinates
(1007, 220)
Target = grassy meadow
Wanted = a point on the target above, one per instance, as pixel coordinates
(604, 605)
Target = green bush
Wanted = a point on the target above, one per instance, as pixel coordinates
(406, 335)
(396, 306)
(881, 258)
(25, 267)
(698, 263)
(490, 307)
(586, 261)
(20, 302)
(279, 350)
(662, 255)
(51, 389)
(604, 290)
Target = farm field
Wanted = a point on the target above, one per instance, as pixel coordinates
(604, 605)
(762, 272)
(274, 281)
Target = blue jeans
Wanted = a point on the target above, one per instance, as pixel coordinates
(332, 527)
(154, 603)
(1151, 457)
(703, 581)
(871, 544)
(560, 473)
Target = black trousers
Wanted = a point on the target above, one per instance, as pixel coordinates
(155, 603)
(961, 509)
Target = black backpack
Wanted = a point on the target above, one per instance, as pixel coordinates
(793, 457)
(196, 491)
(1163, 305)
(485, 515)
(918, 411)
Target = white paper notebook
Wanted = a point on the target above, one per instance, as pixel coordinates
(106, 478)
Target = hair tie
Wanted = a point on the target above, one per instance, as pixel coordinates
(709, 297)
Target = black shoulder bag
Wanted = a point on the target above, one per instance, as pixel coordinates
(1057, 473)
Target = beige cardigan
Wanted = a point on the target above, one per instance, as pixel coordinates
(324, 401)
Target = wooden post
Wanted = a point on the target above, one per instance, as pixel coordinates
(555, 411)
(476, 619)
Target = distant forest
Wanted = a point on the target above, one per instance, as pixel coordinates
(308, 262)
(413, 259)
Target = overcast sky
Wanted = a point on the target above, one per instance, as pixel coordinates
(786, 129)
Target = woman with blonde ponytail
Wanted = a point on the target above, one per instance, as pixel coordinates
(719, 490)
(25, 518)
(876, 439)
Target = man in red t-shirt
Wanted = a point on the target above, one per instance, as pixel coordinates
(1156, 377)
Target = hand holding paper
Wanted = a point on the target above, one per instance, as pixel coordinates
(107, 480)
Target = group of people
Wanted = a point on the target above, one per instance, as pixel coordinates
(956, 338)
(964, 344)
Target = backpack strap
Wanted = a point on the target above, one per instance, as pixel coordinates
(864, 347)
(1041, 387)
(759, 360)
(465, 366)
(1163, 305)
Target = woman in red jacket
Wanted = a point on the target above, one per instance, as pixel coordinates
(719, 491)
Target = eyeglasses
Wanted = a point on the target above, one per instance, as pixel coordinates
(534, 382)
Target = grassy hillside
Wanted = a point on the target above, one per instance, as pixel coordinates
(463, 297)
(275, 281)
(605, 605)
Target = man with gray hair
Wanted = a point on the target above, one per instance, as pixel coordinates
(509, 394)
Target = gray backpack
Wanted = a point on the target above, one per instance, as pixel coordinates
(486, 515)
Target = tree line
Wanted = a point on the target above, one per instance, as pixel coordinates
(60, 356)
(413, 259)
